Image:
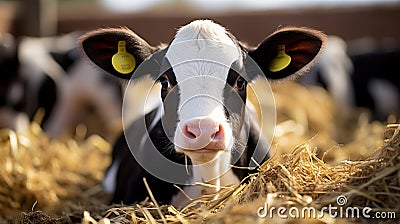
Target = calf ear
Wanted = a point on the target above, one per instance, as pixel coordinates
(288, 52)
(101, 45)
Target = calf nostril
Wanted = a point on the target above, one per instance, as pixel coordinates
(214, 134)
(218, 134)
(202, 133)
(191, 132)
(203, 130)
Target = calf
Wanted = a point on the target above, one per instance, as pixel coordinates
(202, 129)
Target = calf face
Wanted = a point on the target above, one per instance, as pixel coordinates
(203, 74)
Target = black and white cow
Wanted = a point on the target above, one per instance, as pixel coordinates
(360, 73)
(204, 74)
(10, 85)
(49, 73)
(376, 81)
(32, 71)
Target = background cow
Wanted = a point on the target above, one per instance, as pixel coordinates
(360, 73)
(10, 85)
(49, 74)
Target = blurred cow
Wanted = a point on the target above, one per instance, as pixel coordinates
(10, 86)
(362, 74)
(48, 73)
(376, 78)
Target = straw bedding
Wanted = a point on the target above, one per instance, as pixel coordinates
(320, 153)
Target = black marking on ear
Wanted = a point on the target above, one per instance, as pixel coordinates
(100, 45)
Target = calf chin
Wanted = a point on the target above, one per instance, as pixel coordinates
(202, 155)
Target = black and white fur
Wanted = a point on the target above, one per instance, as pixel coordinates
(204, 73)
(360, 73)
(48, 73)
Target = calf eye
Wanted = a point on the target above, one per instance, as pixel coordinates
(166, 86)
(240, 84)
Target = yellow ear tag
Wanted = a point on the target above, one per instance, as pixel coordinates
(122, 61)
(281, 61)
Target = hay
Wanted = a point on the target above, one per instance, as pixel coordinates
(315, 161)
(302, 179)
(37, 172)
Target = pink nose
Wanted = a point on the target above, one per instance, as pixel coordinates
(204, 133)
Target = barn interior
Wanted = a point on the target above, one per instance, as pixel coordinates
(332, 140)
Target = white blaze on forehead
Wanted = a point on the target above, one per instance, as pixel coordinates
(201, 55)
(202, 39)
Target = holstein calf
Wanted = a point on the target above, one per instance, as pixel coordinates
(202, 126)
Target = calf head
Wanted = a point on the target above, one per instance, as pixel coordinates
(204, 74)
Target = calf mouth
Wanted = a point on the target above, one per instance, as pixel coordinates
(203, 150)
(203, 155)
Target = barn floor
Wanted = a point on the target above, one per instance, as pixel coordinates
(45, 180)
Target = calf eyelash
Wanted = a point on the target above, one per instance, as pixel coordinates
(240, 84)
(165, 84)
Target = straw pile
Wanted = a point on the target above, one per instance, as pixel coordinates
(309, 168)
(38, 173)
(300, 179)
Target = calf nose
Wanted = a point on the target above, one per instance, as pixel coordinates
(204, 133)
